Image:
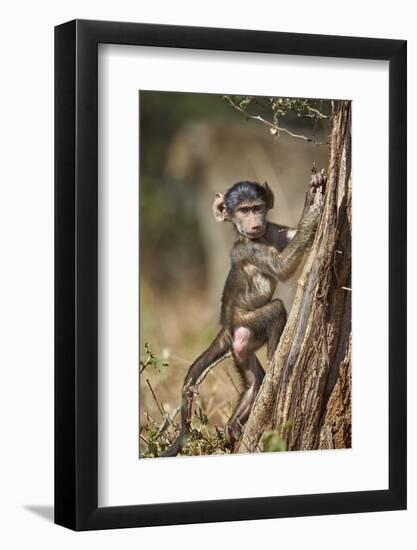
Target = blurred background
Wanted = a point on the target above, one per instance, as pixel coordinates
(192, 146)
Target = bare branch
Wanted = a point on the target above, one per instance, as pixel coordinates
(274, 127)
(160, 407)
(316, 113)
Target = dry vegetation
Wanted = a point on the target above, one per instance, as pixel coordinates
(159, 429)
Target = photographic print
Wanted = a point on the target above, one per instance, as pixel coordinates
(203, 279)
(245, 274)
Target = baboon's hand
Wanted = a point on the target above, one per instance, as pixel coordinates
(315, 193)
(317, 180)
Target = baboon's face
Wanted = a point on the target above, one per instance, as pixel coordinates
(247, 206)
(250, 219)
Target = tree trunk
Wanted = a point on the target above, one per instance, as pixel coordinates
(306, 393)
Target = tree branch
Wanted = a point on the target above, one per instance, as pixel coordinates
(273, 126)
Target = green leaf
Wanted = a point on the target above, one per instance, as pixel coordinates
(273, 442)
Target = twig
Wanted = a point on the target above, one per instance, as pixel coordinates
(160, 407)
(317, 113)
(231, 380)
(152, 359)
(150, 417)
(144, 364)
(168, 420)
(270, 124)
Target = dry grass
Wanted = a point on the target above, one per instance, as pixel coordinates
(157, 434)
(161, 381)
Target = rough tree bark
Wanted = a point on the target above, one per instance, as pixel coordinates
(306, 392)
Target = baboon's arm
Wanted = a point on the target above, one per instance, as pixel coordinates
(272, 262)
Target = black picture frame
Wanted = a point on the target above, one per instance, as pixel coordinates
(76, 272)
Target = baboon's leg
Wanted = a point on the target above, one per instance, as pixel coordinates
(216, 352)
(252, 374)
(265, 324)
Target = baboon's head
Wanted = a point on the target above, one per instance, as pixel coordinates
(246, 205)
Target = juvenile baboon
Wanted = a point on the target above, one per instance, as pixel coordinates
(262, 254)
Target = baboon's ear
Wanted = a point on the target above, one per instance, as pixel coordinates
(269, 196)
(219, 208)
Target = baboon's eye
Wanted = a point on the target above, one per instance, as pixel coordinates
(244, 210)
(257, 208)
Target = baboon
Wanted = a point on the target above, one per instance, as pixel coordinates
(262, 254)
